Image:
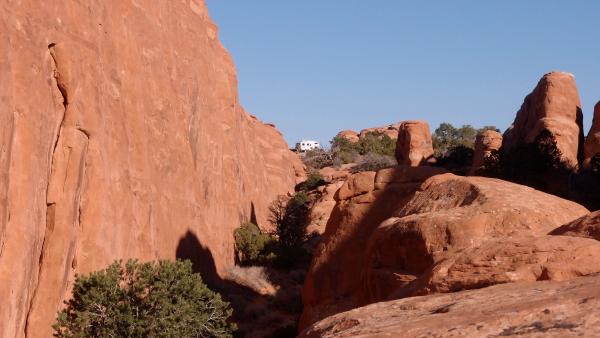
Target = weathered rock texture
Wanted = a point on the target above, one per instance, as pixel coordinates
(485, 143)
(414, 146)
(538, 309)
(322, 208)
(121, 135)
(390, 130)
(553, 105)
(410, 238)
(349, 135)
(592, 140)
(587, 226)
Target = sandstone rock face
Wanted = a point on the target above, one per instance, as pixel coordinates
(592, 141)
(402, 241)
(332, 174)
(121, 135)
(553, 105)
(414, 146)
(497, 261)
(534, 309)
(390, 130)
(587, 226)
(349, 135)
(485, 142)
(337, 259)
(322, 208)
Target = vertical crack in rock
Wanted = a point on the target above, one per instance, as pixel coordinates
(67, 161)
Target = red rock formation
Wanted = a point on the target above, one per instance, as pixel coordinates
(485, 142)
(349, 135)
(553, 105)
(537, 309)
(388, 242)
(121, 135)
(414, 146)
(390, 130)
(322, 208)
(592, 141)
(587, 226)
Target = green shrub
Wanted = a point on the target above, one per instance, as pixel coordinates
(314, 180)
(289, 218)
(376, 143)
(343, 151)
(155, 299)
(251, 244)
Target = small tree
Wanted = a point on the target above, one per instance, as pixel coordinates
(289, 218)
(155, 299)
(251, 244)
(314, 180)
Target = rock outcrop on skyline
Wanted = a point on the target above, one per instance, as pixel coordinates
(406, 238)
(534, 309)
(390, 130)
(349, 135)
(414, 146)
(121, 136)
(485, 143)
(554, 105)
(592, 140)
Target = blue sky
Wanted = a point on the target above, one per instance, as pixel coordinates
(314, 67)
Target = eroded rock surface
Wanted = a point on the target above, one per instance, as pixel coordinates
(553, 105)
(121, 135)
(390, 130)
(485, 143)
(414, 146)
(398, 241)
(349, 135)
(587, 226)
(535, 309)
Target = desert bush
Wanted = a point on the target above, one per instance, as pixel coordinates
(343, 151)
(317, 159)
(252, 246)
(252, 277)
(314, 180)
(446, 137)
(290, 217)
(376, 143)
(374, 162)
(154, 299)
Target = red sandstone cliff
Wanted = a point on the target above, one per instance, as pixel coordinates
(121, 135)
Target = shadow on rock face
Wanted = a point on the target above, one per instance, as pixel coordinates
(189, 247)
(257, 314)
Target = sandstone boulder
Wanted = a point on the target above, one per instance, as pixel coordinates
(485, 143)
(121, 136)
(357, 184)
(349, 135)
(587, 226)
(553, 105)
(332, 174)
(496, 261)
(372, 251)
(529, 309)
(322, 208)
(414, 146)
(592, 141)
(390, 130)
